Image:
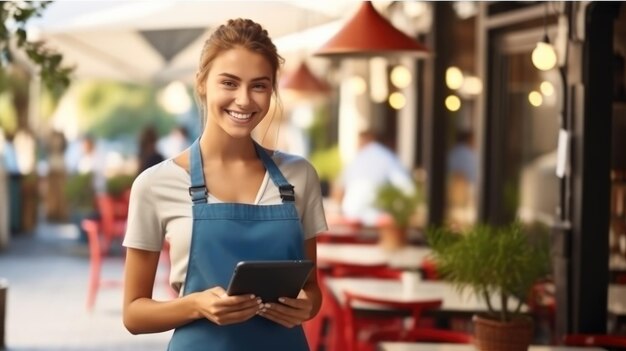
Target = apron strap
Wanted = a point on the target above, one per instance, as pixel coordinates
(197, 190)
(287, 194)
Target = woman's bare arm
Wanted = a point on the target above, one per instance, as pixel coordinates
(143, 314)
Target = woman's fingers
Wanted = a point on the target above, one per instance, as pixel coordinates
(281, 318)
(286, 315)
(235, 316)
(217, 306)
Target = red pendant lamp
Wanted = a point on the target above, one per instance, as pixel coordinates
(302, 80)
(368, 33)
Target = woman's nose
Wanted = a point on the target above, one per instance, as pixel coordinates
(243, 97)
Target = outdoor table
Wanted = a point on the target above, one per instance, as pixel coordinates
(453, 301)
(408, 257)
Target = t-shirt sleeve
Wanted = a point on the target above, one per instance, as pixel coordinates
(143, 229)
(313, 216)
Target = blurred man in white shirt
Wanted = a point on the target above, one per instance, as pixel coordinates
(373, 166)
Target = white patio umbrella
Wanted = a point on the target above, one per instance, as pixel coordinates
(160, 41)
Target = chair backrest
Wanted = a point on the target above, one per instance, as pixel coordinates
(413, 308)
(331, 309)
(600, 340)
(107, 212)
(110, 210)
(429, 269)
(342, 269)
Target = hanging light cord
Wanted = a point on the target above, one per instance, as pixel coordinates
(545, 23)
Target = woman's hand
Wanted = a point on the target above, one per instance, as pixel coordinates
(289, 312)
(215, 305)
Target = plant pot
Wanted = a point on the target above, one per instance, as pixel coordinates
(392, 237)
(493, 335)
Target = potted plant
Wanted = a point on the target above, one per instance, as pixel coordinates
(400, 205)
(118, 189)
(80, 198)
(497, 264)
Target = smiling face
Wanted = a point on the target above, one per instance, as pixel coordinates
(238, 92)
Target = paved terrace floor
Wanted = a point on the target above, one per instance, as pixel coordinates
(47, 274)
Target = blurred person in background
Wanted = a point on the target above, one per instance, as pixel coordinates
(223, 200)
(92, 161)
(462, 160)
(373, 166)
(56, 203)
(14, 183)
(462, 166)
(148, 154)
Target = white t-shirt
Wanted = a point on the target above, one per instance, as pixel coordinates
(160, 207)
(372, 166)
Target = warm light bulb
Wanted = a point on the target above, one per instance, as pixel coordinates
(546, 88)
(453, 103)
(454, 78)
(535, 98)
(544, 56)
(401, 77)
(397, 100)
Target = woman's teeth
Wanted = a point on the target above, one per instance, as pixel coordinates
(240, 116)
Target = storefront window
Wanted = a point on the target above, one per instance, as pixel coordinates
(524, 134)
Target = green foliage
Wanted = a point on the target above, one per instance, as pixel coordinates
(318, 131)
(492, 261)
(327, 163)
(116, 185)
(79, 192)
(8, 115)
(14, 16)
(398, 203)
(110, 109)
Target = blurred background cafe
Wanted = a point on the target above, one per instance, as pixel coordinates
(435, 127)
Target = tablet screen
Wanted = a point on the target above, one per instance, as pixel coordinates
(270, 279)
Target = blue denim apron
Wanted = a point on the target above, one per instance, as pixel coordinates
(224, 234)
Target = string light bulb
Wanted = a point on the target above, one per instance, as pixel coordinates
(544, 55)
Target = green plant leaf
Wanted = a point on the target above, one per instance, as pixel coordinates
(398, 203)
(491, 261)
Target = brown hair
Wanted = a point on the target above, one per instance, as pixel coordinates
(236, 33)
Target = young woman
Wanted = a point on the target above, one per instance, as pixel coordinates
(223, 200)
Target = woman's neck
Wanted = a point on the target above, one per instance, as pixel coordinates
(218, 145)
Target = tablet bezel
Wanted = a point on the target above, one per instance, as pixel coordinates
(270, 280)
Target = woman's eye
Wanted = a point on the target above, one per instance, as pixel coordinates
(260, 87)
(229, 84)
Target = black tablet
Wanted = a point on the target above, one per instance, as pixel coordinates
(269, 279)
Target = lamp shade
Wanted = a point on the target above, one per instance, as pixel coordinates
(368, 33)
(303, 81)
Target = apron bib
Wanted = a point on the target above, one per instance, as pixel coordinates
(224, 234)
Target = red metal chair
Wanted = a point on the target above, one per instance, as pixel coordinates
(429, 269)
(96, 254)
(347, 231)
(361, 334)
(613, 342)
(342, 269)
(101, 234)
(325, 331)
(541, 303)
